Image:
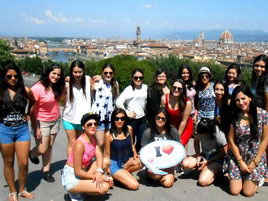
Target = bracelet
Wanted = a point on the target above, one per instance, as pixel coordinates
(239, 159)
(256, 164)
(100, 170)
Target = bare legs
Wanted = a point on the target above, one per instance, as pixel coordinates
(166, 181)
(124, 175)
(89, 187)
(72, 135)
(207, 174)
(44, 148)
(8, 153)
(248, 187)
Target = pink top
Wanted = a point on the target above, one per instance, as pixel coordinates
(88, 154)
(47, 107)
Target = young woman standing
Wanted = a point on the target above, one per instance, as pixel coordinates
(179, 109)
(106, 91)
(133, 101)
(185, 73)
(14, 131)
(77, 101)
(231, 77)
(120, 151)
(47, 92)
(155, 92)
(205, 96)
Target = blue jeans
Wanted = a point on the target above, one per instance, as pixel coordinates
(138, 126)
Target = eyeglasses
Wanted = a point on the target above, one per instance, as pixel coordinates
(91, 124)
(9, 77)
(106, 73)
(161, 76)
(138, 77)
(256, 65)
(158, 118)
(174, 88)
(120, 118)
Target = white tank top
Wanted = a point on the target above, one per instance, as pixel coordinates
(73, 111)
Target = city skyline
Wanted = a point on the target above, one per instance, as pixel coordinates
(116, 18)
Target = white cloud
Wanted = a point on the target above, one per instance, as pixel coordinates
(33, 20)
(147, 5)
(97, 21)
(56, 18)
(79, 20)
(126, 20)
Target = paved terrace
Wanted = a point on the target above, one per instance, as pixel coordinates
(185, 188)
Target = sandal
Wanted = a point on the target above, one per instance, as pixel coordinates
(26, 194)
(13, 196)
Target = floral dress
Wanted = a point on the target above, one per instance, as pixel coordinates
(248, 149)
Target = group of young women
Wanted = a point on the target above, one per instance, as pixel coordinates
(106, 130)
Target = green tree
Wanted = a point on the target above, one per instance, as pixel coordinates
(5, 53)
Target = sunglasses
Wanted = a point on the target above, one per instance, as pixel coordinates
(160, 118)
(120, 118)
(91, 124)
(204, 76)
(106, 73)
(174, 88)
(9, 77)
(138, 77)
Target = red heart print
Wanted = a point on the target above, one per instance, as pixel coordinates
(167, 149)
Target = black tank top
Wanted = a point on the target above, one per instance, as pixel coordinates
(121, 150)
(12, 114)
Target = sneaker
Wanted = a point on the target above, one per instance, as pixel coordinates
(76, 197)
(33, 160)
(48, 177)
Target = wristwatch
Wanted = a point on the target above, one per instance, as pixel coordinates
(100, 170)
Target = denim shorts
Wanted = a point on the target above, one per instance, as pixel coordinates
(9, 135)
(116, 165)
(68, 178)
(50, 127)
(70, 126)
(104, 125)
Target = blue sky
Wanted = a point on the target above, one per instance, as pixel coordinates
(119, 18)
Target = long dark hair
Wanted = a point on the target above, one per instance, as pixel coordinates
(260, 82)
(237, 113)
(155, 84)
(57, 87)
(189, 83)
(113, 129)
(20, 98)
(238, 71)
(206, 126)
(199, 87)
(183, 96)
(113, 81)
(167, 124)
(133, 73)
(79, 64)
(224, 110)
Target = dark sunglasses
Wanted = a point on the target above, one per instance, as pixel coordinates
(91, 124)
(160, 118)
(174, 88)
(106, 73)
(120, 118)
(204, 76)
(138, 77)
(9, 77)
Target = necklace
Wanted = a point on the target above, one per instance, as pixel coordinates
(246, 118)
